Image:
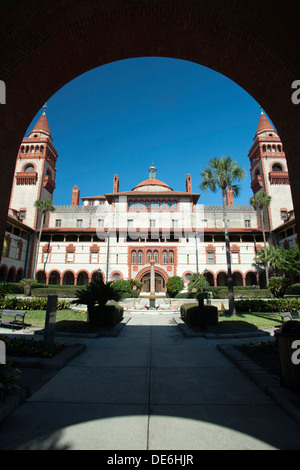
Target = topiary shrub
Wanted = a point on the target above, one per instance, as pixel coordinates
(202, 317)
(174, 285)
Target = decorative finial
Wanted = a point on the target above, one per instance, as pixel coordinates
(261, 110)
(45, 107)
(152, 172)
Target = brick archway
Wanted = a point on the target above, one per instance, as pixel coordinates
(253, 43)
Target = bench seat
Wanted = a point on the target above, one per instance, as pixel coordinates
(12, 317)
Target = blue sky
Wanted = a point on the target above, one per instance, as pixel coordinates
(121, 117)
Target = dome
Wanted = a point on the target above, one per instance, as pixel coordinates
(152, 185)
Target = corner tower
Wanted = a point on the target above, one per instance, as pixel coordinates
(269, 172)
(35, 172)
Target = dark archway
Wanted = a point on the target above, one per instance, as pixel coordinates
(253, 43)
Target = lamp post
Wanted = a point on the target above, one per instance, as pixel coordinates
(206, 293)
(100, 275)
(197, 263)
(107, 257)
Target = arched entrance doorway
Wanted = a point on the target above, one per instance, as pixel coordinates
(241, 43)
(159, 283)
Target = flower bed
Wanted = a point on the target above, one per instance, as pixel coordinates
(24, 347)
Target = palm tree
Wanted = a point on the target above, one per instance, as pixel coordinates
(259, 201)
(275, 258)
(222, 172)
(43, 207)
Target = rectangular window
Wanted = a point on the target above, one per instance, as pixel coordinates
(79, 223)
(58, 223)
(204, 222)
(70, 257)
(283, 215)
(234, 258)
(174, 223)
(130, 223)
(100, 222)
(152, 223)
(22, 215)
(94, 257)
(210, 257)
(46, 257)
(247, 223)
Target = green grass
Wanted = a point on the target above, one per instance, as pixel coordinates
(243, 321)
(37, 317)
(252, 320)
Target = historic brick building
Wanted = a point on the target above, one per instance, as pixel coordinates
(119, 233)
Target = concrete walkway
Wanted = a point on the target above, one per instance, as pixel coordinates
(150, 388)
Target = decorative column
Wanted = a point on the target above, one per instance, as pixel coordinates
(152, 278)
(152, 284)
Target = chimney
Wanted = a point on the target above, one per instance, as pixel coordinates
(75, 196)
(116, 184)
(229, 197)
(188, 184)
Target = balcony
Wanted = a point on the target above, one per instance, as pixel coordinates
(26, 178)
(257, 184)
(279, 177)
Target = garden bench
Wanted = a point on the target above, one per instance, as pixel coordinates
(290, 315)
(13, 317)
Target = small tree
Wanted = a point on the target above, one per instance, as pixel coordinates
(260, 201)
(27, 285)
(278, 285)
(94, 296)
(43, 207)
(175, 284)
(197, 284)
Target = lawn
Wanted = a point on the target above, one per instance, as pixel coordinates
(243, 321)
(70, 317)
(252, 320)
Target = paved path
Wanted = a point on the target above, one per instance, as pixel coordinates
(150, 388)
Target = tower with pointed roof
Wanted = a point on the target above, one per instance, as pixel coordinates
(35, 172)
(269, 172)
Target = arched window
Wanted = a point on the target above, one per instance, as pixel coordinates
(147, 204)
(169, 204)
(130, 203)
(29, 168)
(157, 204)
(140, 257)
(152, 205)
(133, 257)
(155, 256)
(276, 167)
(174, 204)
(164, 257)
(171, 256)
(136, 205)
(264, 148)
(163, 204)
(149, 256)
(142, 206)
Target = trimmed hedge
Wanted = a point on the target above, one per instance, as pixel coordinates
(193, 315)
(272, 305)
(14, 303)
(294, 289)
(62, 291)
